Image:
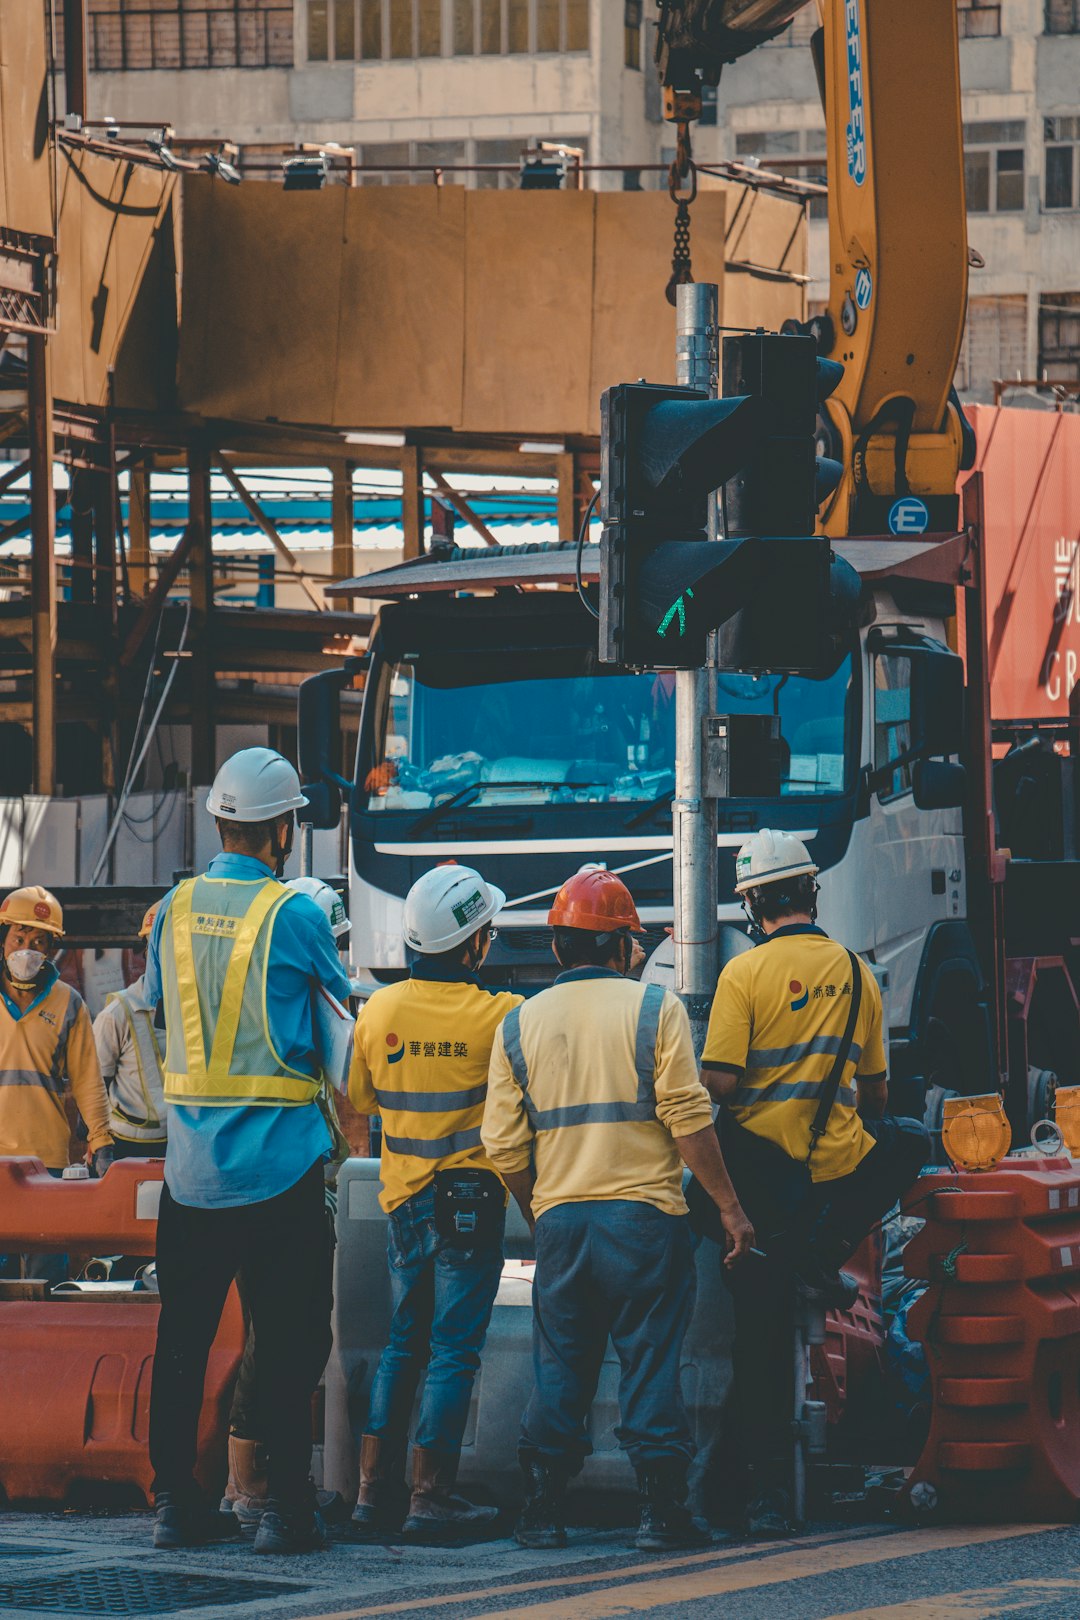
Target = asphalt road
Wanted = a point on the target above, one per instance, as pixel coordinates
(84, 1564)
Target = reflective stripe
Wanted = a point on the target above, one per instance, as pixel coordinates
(32, 1077)
(59, 1052)
(648, 1032)
(147, 1053)
(790, 1091)
(641, 1111)
(438, 1147)
(608, 1113)
(511, 1031)
(432, 1102)
(777, 1057)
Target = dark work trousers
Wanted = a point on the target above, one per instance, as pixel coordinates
(610, 1267)
(281, 1244)
(762, 1291)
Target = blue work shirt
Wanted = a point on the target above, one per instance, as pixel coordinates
(220, 1157)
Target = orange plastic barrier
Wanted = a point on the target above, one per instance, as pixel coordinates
(1000, 1323)
(852, 1354)
(75, 1374)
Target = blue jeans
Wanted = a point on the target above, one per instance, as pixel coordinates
(442, 1300)
(613, 1267)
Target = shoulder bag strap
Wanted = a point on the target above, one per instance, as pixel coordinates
(832, 1084)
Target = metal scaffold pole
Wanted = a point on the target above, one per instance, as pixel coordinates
(694, 815)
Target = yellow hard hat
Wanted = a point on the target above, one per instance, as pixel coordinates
(146, 927)
(35, 907)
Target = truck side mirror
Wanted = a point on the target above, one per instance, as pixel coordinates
(937, 701)
(318, 721)
(938, 784)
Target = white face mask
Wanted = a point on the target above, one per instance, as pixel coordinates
(25, 965)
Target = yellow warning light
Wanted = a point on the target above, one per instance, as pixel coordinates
(975, 1132)
(1067, 1115)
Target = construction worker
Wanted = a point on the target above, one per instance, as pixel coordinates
(795, 1054)
(420, 1059)
(236, 957)
(594, 1105)
(47, 1035)
(129, 1050)
(248, 1488)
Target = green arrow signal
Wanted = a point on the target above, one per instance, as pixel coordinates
(677, 607)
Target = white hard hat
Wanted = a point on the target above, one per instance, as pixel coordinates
(769, 855)
(327, 899)
(256, 784)
(446, 906)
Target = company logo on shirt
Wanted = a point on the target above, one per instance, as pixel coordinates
(800, 995)
(396, 1049)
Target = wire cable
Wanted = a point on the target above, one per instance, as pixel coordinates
(582, 532)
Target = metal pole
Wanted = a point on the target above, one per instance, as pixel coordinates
(307, 849)
(695, 882)
(75, 57)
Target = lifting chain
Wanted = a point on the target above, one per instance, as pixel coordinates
(682, 169)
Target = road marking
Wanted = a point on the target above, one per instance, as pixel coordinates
(973, 1605)
(794, 1565)
(692, 1560)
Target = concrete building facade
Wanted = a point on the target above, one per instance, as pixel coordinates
(418, 85)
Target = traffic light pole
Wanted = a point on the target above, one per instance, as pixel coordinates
(694, 815)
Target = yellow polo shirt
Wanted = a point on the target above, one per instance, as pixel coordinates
(41, 1048)
(592, 1088)
(420, 1060)
(777, 1018)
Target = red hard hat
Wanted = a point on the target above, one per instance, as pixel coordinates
(597, 901)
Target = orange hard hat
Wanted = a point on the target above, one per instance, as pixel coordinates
(146, 927)
(35, 907)
(597, 901)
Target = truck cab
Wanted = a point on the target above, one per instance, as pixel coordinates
(491, 734)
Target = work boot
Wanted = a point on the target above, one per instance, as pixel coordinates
(768, 1516)
(295, 1527)
(433, 1505)
(246, 1491)
(542, 1520)
(666, 1522)
(187, 1521)
(379, 1505)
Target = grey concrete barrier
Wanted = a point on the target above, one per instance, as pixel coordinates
(489, 1452)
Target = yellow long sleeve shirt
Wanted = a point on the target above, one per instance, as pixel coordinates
(420, 1059)
(51, 1040)
(591, 1082)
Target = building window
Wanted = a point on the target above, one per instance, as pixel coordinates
(1062, 16)
(513, 27)
(994, 344)
(797, 153)
(1059, 337)
(415, 162)
(632, 34)
(977, 20)
(143, 35)
(994, 166)
(1062, 138)
(331, 30)
(708, 106)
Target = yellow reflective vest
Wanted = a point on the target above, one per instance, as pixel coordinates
(215, 946)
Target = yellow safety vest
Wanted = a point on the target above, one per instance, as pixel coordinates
(147, 1054)
(215, 947)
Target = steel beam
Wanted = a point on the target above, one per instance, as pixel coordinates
(201, 576)
(342, 518)
(42, 562)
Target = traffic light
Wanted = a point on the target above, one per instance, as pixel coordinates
(664, 583)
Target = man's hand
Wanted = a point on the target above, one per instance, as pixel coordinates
(520, 1184)
(101, 1159)
(738, 1234)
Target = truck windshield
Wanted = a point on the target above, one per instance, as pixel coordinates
(574, 738)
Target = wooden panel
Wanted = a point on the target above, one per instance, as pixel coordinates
(25, 184)
(528, 314)
(110, 212)
(261, 302)
(633, 323)
(400, 341)
(763, 232)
